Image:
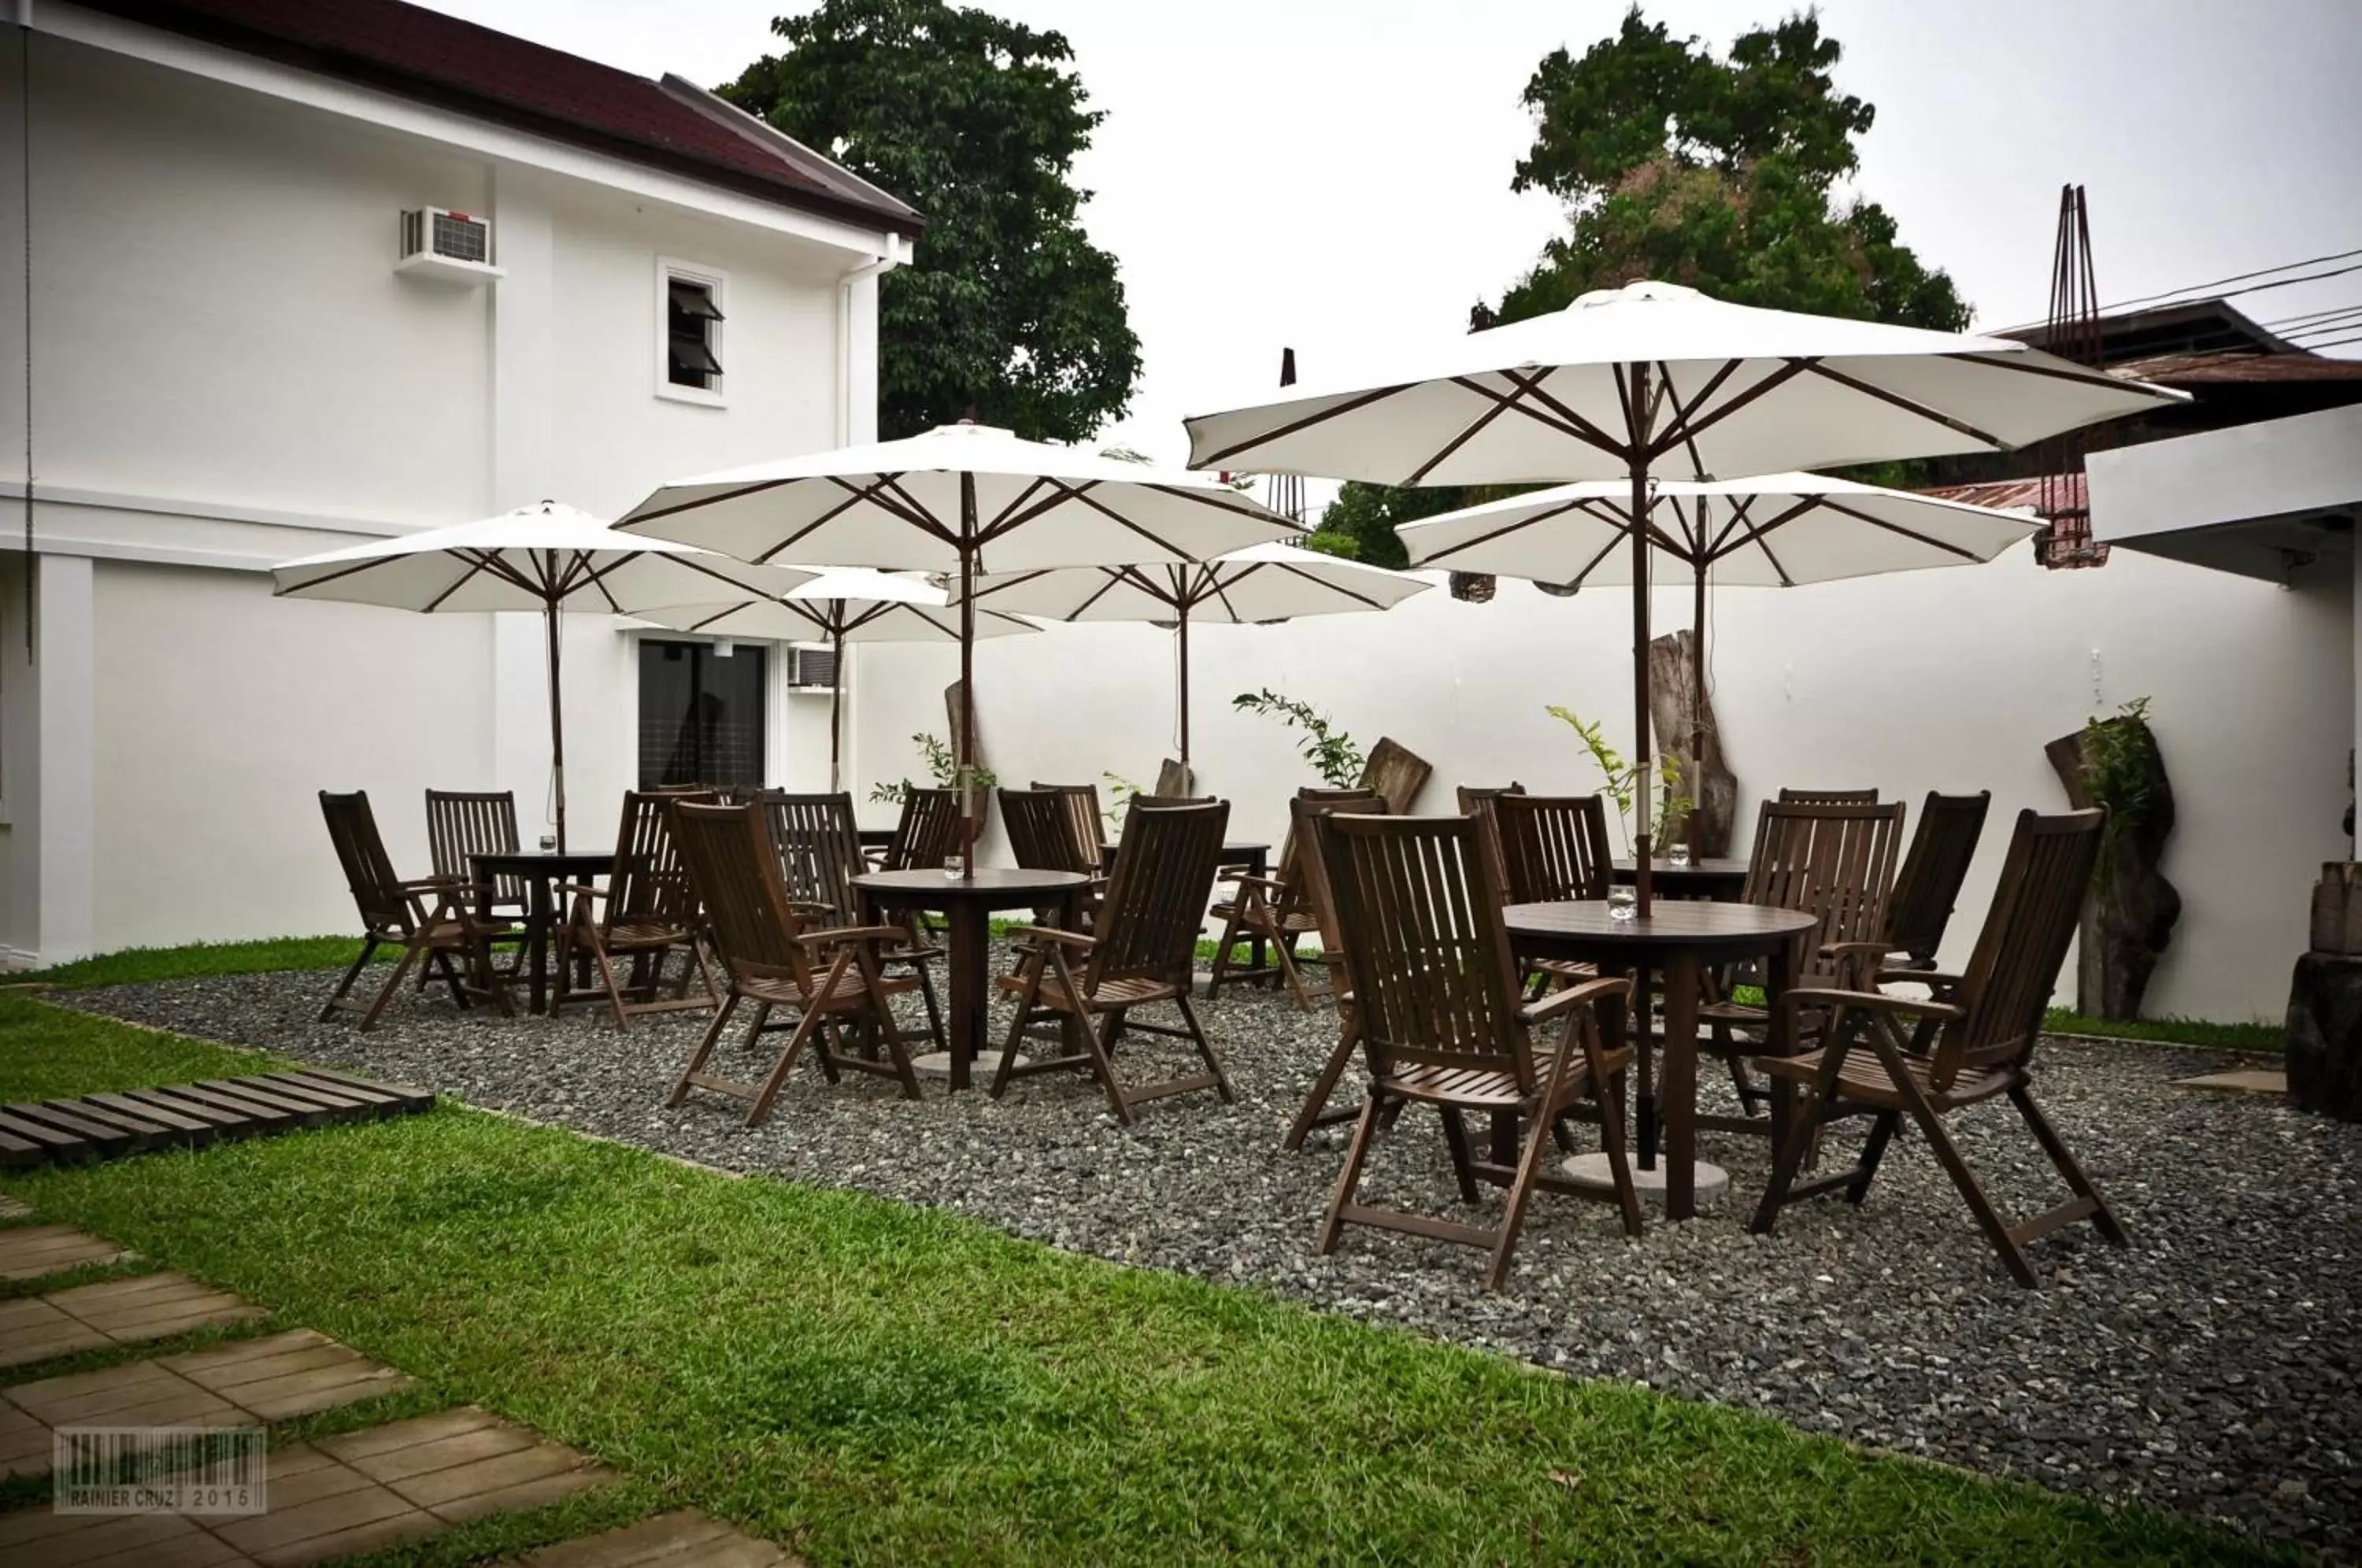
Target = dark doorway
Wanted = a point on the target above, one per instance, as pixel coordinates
(701, 714)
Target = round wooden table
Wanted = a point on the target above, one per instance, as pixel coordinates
(1676, 939)
(1721, 877)
(541, 870)
(967, 904)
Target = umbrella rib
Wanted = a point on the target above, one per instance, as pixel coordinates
(1010, 519)
(1419, 475)
(991, 586)
(1686, 432)
(1559, 510)
(1739, 507)
(1753, 533)
(480, 561)
(1107, 582)
(1582, 428)
(1913, 534)
(1909, 406)
(341, 573)
(910, 509)
(1591, 565)
(1015, 503)
(757, 488)
(1220, 592)
(1349, 405)
(1118, 518)
(2065, 373)
(1681, 413)
(1292, 570)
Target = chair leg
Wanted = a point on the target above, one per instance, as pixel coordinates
(2102, 1217)
(1204, 1047)
(934, 1013)
(1224, 947)
(1874, 1149)
(760, 1112)
(410, 951)
(1291, 969)
(1455, 1138)
(607, 979)
(370, 944)
(1348, 1179)
(705, 1051)
(1349, 1040)
(1956, 1165)
(1030, 978)
(1521, 1191)
(1787, 1160)
(1619, 1162)
(1105, 1067)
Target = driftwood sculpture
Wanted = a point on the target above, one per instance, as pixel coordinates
(1395, 772)
(2130, 914)
(1677, 711)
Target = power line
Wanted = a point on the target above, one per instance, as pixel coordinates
(2237, 278)
(2333, 342)
(2311, 315)
(2337, 323)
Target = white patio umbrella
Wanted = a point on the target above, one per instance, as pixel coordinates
(961, 500)
(840, 605)
(1260, 584)
(546, 558)
(1652, 378)
(1773, 530)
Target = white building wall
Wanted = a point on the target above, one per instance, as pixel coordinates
(230, 373)
(1948, 680)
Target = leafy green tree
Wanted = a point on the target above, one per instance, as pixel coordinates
(1010, 312)
(1717, 173)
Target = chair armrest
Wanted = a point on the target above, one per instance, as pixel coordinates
(437, 884)
(1930, 978)
(1590, 991)
(842, 933)
(1050, 933)
(1798, 997)
(582, 888)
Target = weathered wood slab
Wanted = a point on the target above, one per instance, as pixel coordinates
(100, 1126)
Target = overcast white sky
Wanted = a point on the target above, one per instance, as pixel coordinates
(1312, 172)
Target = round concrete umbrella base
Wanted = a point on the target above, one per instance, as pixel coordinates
(1713, 1181)
(938, 1064)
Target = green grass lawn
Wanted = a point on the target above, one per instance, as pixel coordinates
(135, 966)
(872, 1383)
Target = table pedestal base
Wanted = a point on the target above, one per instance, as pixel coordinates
(938, 1064)
(1713, 1181)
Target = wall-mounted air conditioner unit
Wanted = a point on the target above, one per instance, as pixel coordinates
(812, 668)
(439, 243)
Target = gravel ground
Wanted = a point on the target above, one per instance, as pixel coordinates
(2215, 1366)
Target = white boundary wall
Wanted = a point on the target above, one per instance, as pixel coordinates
(1945, 680)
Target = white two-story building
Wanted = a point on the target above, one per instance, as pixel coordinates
(236, 344)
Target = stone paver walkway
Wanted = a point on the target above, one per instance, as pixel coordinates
(685, 1539)
(29, 1251)
(113, 1312)
(2246, 1080)
(361, 1492)
(242, 1383)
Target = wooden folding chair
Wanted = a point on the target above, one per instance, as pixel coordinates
(929, 832)
(1972, 1040)
(819, 844)
(1274, 908)
(1553, 848)
(1142, 953)
(826, 977)
(462, 825)
(430, 918)
(1435, 990)
(1302, 816)
(1082, 818)
(1934, 867)
(1837, 864)
(1476, 800)
(1828, 797)
(642, 917)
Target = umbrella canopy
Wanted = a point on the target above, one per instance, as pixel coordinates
(1774, 530)
(840, 605)
(547, 557)
(961, 500)
(1261, 583)
(1655, 378)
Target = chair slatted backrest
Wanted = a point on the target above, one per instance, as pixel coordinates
(1041, 833)
(1312, 871)
(369, 870)
(1433, 981)
(1476, 800)
(2011, 975)
(1351, 792)
(1149, 921)
(1165, 803)
(1835, 862)
(1554, 847)
(1828, 797)
(647, 886)
(1934, 867)
(928, 834)
(818, 840)
(1082, 818)
(462, 825)
(732, 870)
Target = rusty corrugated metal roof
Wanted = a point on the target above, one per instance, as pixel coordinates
(2025, 493)
(2185, 370)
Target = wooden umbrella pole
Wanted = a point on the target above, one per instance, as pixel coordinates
(964, 757)
(835, 702)
(1182, 631)
(1642, 882)
(1697, 714)
(556, 722)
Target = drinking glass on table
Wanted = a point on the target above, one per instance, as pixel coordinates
(1680, 858)
(952, 867)
(1623, 903)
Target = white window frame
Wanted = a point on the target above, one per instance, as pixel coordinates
(717, 283)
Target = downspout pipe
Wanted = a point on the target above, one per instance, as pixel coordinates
(898, 250)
